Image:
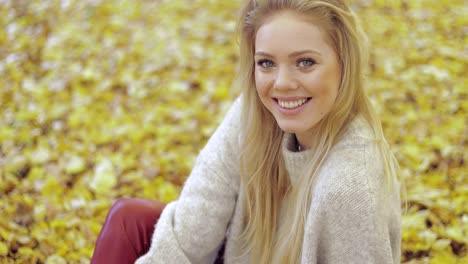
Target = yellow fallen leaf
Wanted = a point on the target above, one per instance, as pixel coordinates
(104, 178)
(441, 244)
(443, 257)
(167, 192)
(55, 259)
(75, 165)
(3, 249)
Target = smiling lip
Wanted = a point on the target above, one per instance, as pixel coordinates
(291, 105)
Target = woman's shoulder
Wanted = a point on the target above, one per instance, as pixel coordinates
(228, 130)
(358, 132)
(353, 164)
(357, 142)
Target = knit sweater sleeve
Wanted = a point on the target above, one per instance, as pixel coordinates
(354, 220)
(192, 229)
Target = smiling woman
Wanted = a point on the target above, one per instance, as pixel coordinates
(299, 170)
(297, 73)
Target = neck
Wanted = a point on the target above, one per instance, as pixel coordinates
(305, 140)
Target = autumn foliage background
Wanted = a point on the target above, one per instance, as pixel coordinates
(107, 99)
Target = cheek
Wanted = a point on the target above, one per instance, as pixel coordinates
(261, 84)
(317, 85)
(325, 84)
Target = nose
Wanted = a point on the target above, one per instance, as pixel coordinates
(284, 79)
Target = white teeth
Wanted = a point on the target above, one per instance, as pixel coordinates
(291, 104)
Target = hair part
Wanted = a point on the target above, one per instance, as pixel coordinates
(263, 174)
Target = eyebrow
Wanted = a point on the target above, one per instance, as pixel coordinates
(294, 54)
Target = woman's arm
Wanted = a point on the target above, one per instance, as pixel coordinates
(191, 229)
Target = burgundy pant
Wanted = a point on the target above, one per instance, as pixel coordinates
(127, 231)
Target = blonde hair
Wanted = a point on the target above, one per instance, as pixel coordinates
(265, 180)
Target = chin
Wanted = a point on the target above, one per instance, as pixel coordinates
(296, 127)
(290, 129)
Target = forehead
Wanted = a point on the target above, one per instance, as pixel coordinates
(288, 31)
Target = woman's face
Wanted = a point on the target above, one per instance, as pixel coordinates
(297, 73)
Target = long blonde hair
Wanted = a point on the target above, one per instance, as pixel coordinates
(265, 180)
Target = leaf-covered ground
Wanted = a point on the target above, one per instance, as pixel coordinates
(107, 99)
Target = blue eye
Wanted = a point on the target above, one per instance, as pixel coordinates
(265, 63)
(305, 63)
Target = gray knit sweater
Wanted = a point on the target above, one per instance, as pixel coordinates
(351, 218)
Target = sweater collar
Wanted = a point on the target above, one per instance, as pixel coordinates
(295, 162)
